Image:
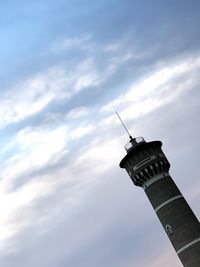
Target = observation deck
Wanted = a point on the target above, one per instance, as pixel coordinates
(144, 160)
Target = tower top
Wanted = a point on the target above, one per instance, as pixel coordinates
(134, 142)
(131, 138)
(136, 145)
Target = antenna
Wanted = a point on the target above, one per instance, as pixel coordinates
(124, 125)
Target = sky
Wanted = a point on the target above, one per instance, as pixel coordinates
(66, 66)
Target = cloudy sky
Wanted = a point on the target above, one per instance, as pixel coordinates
(66, 66)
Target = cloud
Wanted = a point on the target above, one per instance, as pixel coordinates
(68, 43)
(81, 131)
(77, 113)
(35, 94)
(64, 200)
(36, 149)
(87, 75)
(156, 83)
(59, 82)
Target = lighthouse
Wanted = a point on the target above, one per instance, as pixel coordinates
(148, 168)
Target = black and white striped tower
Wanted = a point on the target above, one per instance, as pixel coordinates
(148, 168)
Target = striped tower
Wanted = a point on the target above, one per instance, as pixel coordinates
(148, 168)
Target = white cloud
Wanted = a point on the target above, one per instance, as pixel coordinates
(36, 149)
(31, 96)
(77, 113)
(102, 154)
(148, 94)
(17, 208)
(81, 76)
(34, 94)
(81, 131)
(81, 42)
(87, 75)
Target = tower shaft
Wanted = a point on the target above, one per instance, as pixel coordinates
(177, 218)
(148, 168)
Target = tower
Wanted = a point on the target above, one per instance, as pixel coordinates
(148, 168)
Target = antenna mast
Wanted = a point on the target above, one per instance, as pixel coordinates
(124, 125)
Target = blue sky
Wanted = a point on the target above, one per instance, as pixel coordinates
(66, 66)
